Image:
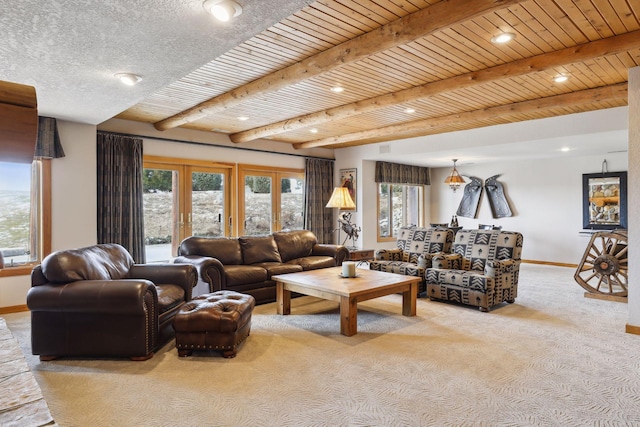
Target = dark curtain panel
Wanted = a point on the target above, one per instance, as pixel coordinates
(120, 209)
(394, 173)
(48, 145)
(318, 188)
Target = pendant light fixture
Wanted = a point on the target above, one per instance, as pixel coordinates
(454, 180)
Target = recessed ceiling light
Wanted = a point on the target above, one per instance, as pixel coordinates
(129, 79)
(313, 130)
(503, 38)
(561, 78)
(222, 10)
(242, 118)
(337, 89)
(409, 110)
(565, 149)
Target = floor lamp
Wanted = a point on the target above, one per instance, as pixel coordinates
(341, 199)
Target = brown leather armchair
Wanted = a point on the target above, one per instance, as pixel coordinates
(95, 302)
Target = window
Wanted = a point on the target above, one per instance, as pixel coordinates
(25, 215)
(398, 205)
(271, 200)
(184, 198)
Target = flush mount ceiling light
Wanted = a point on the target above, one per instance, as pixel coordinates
(129, 79)
(561, 78)
(454, 179)
(222, 10)
(503, 38)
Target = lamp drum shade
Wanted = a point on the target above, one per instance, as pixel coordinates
(341, 199)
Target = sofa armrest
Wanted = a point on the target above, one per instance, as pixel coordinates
(338, 252)
(498, 267)
(183, 275)
(446, 261)
(210, 270)
(388, 255)
(126, 296)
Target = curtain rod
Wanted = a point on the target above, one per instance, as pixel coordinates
(213, 145)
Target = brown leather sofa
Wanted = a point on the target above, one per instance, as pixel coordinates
(246, 264)
(95, 302)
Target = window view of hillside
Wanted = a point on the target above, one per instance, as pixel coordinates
(15, 211)
(209, 217)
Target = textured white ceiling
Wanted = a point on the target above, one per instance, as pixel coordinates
(70, 49)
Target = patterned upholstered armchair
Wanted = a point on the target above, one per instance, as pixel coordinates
(482, 270)
(411, 243)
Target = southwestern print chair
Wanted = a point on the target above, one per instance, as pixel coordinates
(411, 243)
(482, 270)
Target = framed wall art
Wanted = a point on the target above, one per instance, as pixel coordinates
(604, 200)
(348, 178)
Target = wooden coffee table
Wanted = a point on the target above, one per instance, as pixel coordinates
(327, 283)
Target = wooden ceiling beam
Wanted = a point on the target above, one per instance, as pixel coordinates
(399, 32)
(546, 61)
(600, 94)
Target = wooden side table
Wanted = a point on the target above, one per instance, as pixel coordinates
(361, 255)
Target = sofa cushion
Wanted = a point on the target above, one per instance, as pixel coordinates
(259, 249)
(108, 261)
(478, 246)
(314, 262)
(244, 274)
(398, 267)
(226, 250)
(424, 241)
(169, 296)
(295, 244)
(471, 280)
(275, 268)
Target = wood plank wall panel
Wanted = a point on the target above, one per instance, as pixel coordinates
(542, 26)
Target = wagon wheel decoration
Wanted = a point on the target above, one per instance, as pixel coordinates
(603, 269)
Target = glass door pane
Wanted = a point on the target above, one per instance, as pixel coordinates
(258, 205)
(161, 218)
(208, 214)
(291, 215)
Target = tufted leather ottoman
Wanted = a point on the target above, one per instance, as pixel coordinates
(217, 321)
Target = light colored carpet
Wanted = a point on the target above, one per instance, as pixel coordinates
(554, 358)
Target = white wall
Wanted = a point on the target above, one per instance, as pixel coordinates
(634, 198)
(545, 194)
(73, 210)
(74, 180)
(545, 198)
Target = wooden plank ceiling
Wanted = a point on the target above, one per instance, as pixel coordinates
(433, 57)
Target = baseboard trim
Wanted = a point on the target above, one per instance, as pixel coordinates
(557, 264)
(631, 329)
(14, 309)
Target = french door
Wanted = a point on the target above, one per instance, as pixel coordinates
(184, 199)
(270, 200)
